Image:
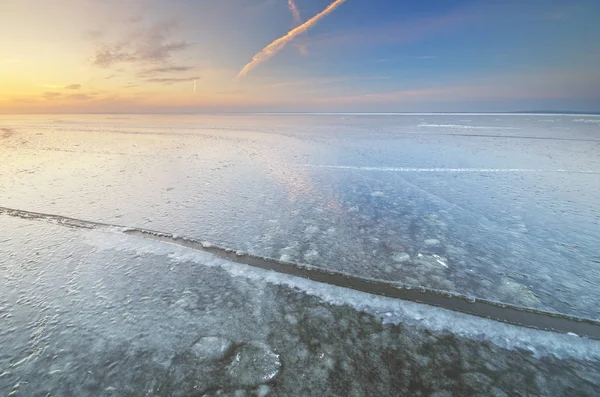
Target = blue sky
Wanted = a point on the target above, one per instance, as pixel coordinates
(384, 55)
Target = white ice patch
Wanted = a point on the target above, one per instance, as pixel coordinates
(587, 121)
(311, 255)
(401, 257)
(439, 260)
(311, 230)
(464, 127)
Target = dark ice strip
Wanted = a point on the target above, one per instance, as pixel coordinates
(507, 313)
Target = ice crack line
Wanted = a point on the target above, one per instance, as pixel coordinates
(507, 313)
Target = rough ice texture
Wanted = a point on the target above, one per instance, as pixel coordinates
(120, 316)
(95, 313)
(390, 311)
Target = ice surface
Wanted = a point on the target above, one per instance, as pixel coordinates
(91, 312)
(515, 208)
(504, 207)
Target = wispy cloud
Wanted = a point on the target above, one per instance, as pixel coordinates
(94, 34)
(108, 55)
(295, 12)
(281, 42)
(156, 52)
(80, 97)
(303, 48)
(135, 19)
(73, 87)
(152, 45)
(165, 69)
(171, 80)
(51, 95)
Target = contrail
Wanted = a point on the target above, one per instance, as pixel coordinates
(297, 21)
(295, 12)
(278, 44)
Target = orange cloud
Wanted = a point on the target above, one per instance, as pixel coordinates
(281, 42)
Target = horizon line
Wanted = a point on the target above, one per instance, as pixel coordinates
(518, 112)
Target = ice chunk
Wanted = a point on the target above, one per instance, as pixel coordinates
(211, 348)
(253, 363)
(311, 255)
(432, 242)
(291, 319)
(401, 257)
(262, 391)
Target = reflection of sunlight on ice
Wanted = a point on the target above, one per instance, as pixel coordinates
(427, 200)
(339, 191)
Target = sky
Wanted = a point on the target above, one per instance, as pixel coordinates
(187, 56)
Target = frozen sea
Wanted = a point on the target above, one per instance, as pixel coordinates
(501, 207)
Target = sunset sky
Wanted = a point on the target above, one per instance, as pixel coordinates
(79, 56)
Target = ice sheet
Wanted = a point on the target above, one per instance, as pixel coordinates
(347, 192)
